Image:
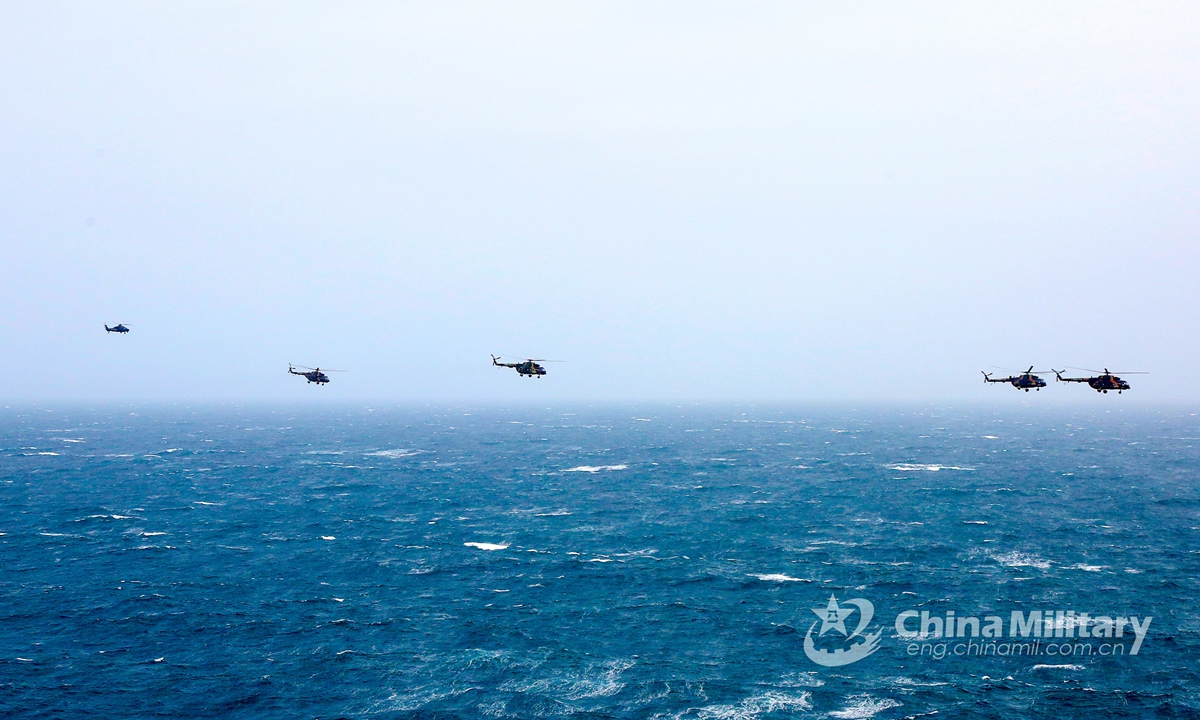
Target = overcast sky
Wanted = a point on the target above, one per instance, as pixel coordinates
(694, 201)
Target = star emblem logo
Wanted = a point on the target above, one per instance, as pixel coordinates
(845, 651)
(833, 617)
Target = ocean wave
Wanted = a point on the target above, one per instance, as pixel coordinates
(778, 577)
(602, 680)
(756, 705)
(556, 513)
(394, 454)
(864, 706)
(801, 679)
(486, 546)
(915, 467)
(1086, 568)
(1056, 667)
(596, 468)
(1019, 559)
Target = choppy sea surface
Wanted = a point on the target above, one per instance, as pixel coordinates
(638, 562)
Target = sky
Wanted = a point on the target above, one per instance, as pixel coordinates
(748, 202)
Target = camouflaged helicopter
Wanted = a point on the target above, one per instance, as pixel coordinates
(1101, 383)
(1025, 381)
(525, 368)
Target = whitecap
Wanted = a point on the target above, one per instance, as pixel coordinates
(1018, 559)
(152, 534)
(975, 522)
(913, 467)
(801, 679)
(596, 468)
(991, 437)
(71, 440)
(48, 453)
(1086, 568)
(778, 577)
(864, 706)
(201, 502)
(1057, 667)
(556, 513)
(486, 546)
(578, 686)
(328, 537)
(394, 454)
(762, 704)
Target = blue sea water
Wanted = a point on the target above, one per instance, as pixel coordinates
(637, 562)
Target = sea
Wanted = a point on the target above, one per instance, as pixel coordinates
(649, 561)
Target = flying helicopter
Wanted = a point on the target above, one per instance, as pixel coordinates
(527, 368)
(313, 375)
(1101, 383)
(119, 328)
(1024, 381)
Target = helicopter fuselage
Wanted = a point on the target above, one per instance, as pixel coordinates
(528, 368)
(1099, 383)
(312, 376)
(1025, 381)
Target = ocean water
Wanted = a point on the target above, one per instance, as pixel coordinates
(637, 562)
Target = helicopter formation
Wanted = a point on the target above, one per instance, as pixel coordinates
(529, 367)
(1102, 382)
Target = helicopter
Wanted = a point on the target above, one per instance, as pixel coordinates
(313, 375)
(1024, 381)
(1101, 383)
(528, 368)
(119, 328)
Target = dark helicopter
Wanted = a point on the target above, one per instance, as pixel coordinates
(1024, 381)
(1101, 383)
(528, 368)
(117, 329)
(313, 375)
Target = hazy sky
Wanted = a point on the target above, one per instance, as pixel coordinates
(705, 201)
